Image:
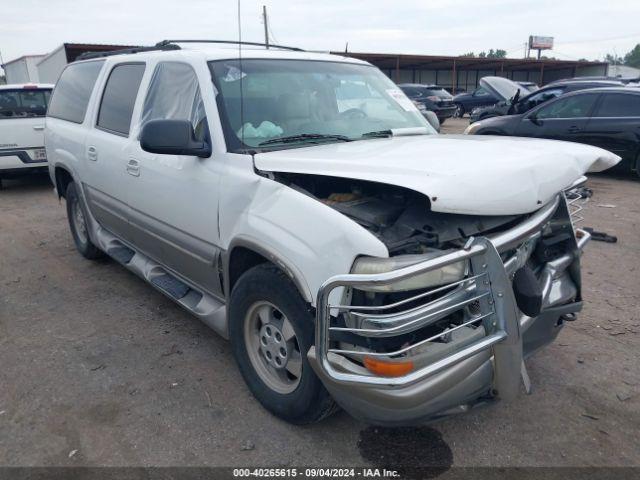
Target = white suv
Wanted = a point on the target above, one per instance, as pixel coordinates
(300, 205)
(22, 111)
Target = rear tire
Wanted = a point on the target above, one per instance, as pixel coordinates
(78, 224)
(271, 329)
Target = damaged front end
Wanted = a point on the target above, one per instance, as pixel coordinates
(444, 323)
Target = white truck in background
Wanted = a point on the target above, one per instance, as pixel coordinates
(22, 111)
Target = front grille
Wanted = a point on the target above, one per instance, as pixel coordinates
(435, 327)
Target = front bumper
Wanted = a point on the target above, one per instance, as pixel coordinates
(482, 357)
(445, 111)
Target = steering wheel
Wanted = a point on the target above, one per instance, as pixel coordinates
(353, 113)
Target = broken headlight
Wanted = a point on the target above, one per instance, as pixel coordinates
(432, 278)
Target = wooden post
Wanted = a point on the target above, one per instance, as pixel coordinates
(398, 69)
(541, 73)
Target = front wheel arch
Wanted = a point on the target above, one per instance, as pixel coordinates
(62, 179)
(244, 253)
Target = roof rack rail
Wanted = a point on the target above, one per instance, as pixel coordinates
(229, 42)
(124, 51)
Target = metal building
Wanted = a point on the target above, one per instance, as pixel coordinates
(463, 73)
(23, 69)
(50, 67)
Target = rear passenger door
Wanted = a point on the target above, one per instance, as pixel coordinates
(615, 125)
(109, 149)
(174, 198)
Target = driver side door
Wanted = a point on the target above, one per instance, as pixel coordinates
(174, 198)
(561, 119)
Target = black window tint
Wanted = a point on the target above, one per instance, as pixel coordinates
(23, 103)
(119, 97)
(411, 91)
(544, 96)
(619, 105)
(71, 95)
(576, 106)
(437, 92)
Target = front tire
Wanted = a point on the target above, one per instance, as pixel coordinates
(78, 224)
(459, 113)
(271, 329)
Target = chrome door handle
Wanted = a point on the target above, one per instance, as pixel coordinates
(133, 167)
(38, 127)
(92, 154)
(574, 129)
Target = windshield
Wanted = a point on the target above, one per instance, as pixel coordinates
(307, 102)
(23, 103)
(503, 87)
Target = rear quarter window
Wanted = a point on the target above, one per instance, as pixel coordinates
(619, 105)
(73, 90)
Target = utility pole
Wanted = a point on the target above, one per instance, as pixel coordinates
(266, 25)
(4, 74)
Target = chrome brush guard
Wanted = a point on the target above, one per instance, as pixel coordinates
(485, 298)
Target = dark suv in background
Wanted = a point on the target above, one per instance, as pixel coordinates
(511, 104)
(430, 97)
(608, 118)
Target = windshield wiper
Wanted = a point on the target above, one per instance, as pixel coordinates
(397, 132)
(305, 137)
(378, 134)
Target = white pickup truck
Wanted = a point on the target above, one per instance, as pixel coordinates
(22, 112)
(348, 252)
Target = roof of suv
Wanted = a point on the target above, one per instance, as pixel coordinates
(560, 83)
(214, 51)
(622, 89)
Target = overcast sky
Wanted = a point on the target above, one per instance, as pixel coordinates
(582, 28)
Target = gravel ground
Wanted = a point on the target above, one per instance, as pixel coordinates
(97, 368)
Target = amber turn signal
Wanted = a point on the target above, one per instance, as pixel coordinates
(387, 369)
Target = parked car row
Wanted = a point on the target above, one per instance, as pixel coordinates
(604, 117)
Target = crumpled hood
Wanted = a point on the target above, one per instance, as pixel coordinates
(468, 174)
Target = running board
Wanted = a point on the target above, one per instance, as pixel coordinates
(171, 286)
(121, 254)
(206, 307)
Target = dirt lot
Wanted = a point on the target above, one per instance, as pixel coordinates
(97, 368)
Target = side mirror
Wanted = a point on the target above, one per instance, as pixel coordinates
(535, 120)
(172, 137)
(432, 118)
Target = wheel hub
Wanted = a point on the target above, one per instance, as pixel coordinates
(79, 221)
(273, 346)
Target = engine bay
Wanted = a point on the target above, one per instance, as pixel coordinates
(399, 217)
